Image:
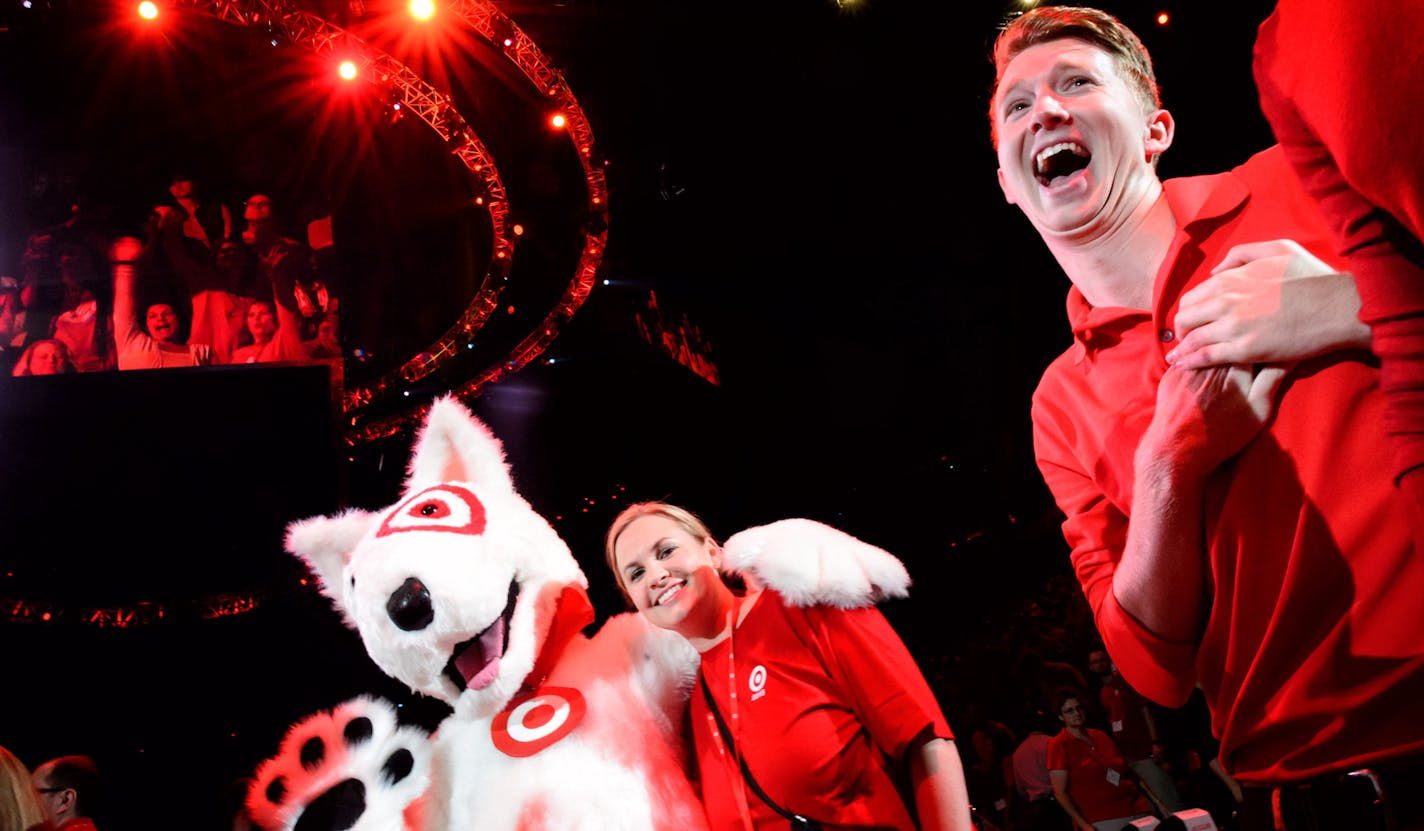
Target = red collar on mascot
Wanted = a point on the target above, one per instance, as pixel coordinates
(540, 716)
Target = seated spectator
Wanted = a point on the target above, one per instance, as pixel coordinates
(1090, 778)
(83, 318)
(70, 789)
(44, 357)
(272, 335)
(326, 346)
(20, 805)
(158, 342)
(12, 326)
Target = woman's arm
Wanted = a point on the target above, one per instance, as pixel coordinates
(941, 795)
(1060, 792)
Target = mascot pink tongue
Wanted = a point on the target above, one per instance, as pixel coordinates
(478, 662)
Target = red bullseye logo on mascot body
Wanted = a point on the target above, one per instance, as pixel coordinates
(442, 508)
(530, 724)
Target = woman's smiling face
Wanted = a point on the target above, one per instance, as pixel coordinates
(668, 573)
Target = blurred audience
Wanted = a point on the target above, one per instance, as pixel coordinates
(44, 357)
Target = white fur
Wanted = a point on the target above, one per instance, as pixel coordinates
(341, 759)
(809, 562)
(623, 766)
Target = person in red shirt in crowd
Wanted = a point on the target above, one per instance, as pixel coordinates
(70, 789)
(1090, 778)
(827, 707)
(1268, 557)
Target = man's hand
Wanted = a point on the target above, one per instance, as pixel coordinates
(1205, 416)
(1267, 302)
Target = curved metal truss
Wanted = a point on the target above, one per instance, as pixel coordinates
(436, 109)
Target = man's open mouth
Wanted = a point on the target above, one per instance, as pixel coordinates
(475, 663)
(1059, 161)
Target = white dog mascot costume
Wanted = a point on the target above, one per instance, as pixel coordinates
(464, 593)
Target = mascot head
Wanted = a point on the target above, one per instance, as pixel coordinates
(455, 589)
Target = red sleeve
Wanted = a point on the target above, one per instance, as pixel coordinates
(1357, 154)
(1096, 532)
(1057, 754)
(880, 678)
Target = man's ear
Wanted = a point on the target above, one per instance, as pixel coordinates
(1160, 129)
(1003, 186)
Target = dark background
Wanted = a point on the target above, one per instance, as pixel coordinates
(813, 186)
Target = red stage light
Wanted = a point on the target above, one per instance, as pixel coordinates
(558, 121)
(422, 9)
(1163, 18)
(347, 70)
(147, 10)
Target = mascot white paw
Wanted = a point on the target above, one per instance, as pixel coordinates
(809, 562)
(353, 768)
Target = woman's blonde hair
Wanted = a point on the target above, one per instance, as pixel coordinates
(20, 806)
(66, 357)
(690, 522)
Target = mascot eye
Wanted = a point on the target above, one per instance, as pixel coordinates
(449, 508)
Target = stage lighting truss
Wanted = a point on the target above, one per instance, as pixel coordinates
(436, 109)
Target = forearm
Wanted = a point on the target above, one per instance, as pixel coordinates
(941, 795)
(1060, 793)
(1160, 580)
(125, 317)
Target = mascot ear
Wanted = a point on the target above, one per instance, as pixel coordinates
(454, 446)
(325, 544)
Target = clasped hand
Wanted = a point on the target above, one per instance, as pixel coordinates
(1267, 302)
(1205, 416)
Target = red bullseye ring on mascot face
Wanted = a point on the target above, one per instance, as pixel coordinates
(530, 724)
(443, 508)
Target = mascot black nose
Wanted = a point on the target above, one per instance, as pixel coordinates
(409, 606)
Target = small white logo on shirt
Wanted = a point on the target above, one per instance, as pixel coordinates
(757, 681)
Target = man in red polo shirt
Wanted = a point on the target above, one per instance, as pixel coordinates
(1269, 558)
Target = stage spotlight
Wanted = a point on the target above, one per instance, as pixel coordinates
(557, 121)
(347, 70)
(422, 9)
(147, 10)
(1163, 18)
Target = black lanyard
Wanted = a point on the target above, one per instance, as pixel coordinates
(798, 822)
